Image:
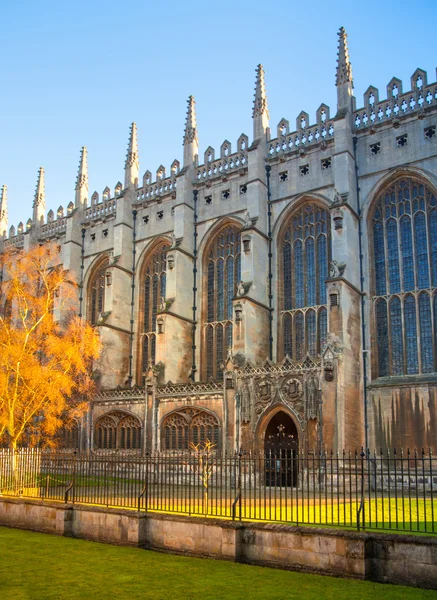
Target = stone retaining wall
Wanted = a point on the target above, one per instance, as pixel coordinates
(392, 558)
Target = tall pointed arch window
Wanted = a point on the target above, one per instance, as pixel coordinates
(97, 285)
(153, 287)
(223, 272)
(404, 228)
(303, 251)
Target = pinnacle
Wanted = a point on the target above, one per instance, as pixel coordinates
(4, 203)
(344, 67)
(132, 147)
(40, 189)
(190, 133)
(82, 175)
(260, 96)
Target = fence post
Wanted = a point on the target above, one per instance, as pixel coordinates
(361, 509)
(238, 491)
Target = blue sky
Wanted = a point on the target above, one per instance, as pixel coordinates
(78, 73)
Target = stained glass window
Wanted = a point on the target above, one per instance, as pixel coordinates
(153, 286)
(382, 330)
(405, 230)
(223, 269)
(189, 425)
(397, 343)
(305, 245)
(97, 292)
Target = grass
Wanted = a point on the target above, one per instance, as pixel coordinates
(37, 566)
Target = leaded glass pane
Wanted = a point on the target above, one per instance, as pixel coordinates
(288, 302)
(310, 273)
(323, 328)
(394, 276)
(218, 349)
(322, 268)
(433, 243)
(421, 243)
(210, 291)
(220, 298)
(229, 336)
(382, 337)
(379, 252)
(230, 286)
(425, 325)
(300, 335)
(411, 335)
(288, 342)
(407, 254)
(397, 343)
(310, 323)
(298, 275)
(209, 352)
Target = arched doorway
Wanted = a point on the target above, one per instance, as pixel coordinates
(281, 443)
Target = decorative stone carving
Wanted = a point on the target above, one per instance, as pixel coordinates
(336, 269)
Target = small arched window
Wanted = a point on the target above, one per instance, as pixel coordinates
(190, 425)
(97, 284)
(117, 430)
(304, 258)
(223, 272)
(153, 287)
(404, 229)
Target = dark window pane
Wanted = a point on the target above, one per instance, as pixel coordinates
(310, 273)
(382, 337)
(310, 323)
(378, 243)
(298, 275)
(322, 268)
(421, 244)
(397, 343)
(393, 256)
(426, 334)
(287, 276)
(407, 254)
(411, 335)
(288, 342)
(300, 336)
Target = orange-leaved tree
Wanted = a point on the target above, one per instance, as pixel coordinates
(46, 351)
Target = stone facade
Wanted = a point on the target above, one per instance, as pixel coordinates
(212, 313)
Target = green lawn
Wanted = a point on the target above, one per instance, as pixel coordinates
(38, 566)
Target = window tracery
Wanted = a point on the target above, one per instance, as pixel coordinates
(153, 287)
(97, 292)
(189, 425)
(404, 227)
(304, 253)
(223, 272)
(118, 430)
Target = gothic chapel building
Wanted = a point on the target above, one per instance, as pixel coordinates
(284, 285)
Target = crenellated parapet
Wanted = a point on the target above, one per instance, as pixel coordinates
(227, 163)
(398, 105)
(305, 136)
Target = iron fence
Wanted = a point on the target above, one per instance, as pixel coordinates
(364, 490)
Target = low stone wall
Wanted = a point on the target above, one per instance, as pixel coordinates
(391, 558)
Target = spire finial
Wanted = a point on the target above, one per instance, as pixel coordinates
(344, 67)
(3, 211)
(260, 113)
(82, 179)
(190, 133)
(40, 193)
(82, 174)
(191, 141)
(132, 159)
(260, 101)
(39, 201)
